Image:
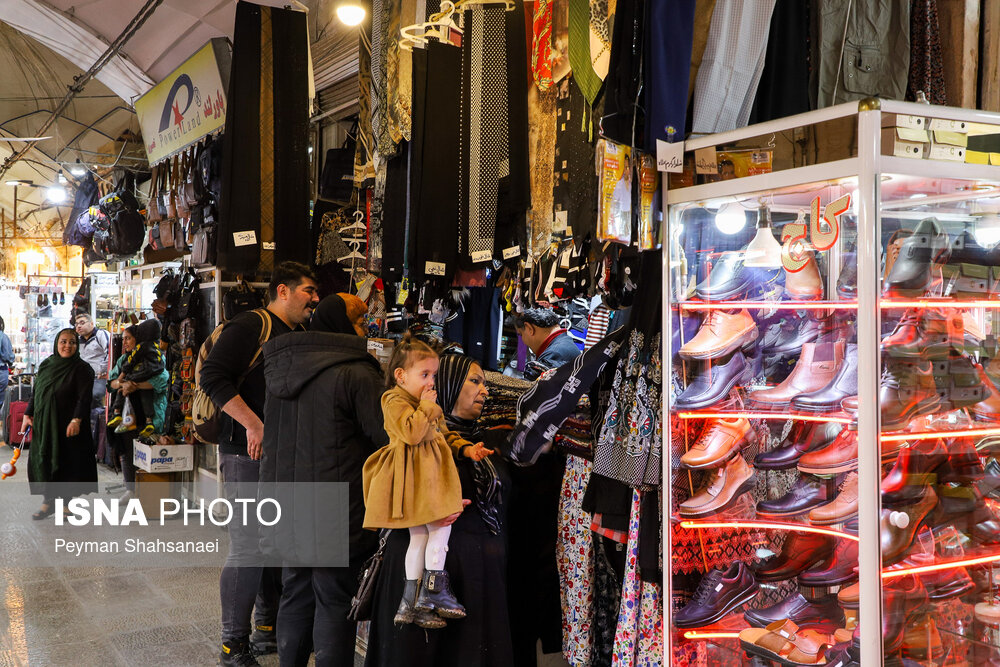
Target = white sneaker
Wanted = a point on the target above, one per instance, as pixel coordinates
(125, 497)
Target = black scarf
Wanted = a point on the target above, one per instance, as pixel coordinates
(452, 373)
(331, 317)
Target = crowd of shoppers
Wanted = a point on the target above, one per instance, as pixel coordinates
(312, 407)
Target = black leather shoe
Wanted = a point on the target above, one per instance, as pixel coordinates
(799, 552)
(714, 382)
(719, 593)
(804, 437)
(794, 334)
(911, 273)
(907, 390)
(435, 595)
(823, 611)
(840, 569)
(728, 279)
(843, 385)
(808, 492)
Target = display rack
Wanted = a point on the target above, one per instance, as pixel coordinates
(835, 411)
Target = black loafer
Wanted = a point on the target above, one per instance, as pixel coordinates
(714, 382)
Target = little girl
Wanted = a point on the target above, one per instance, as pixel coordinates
(413, 482)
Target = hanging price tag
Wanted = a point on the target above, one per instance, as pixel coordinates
(244, 238)
(705, 161)
(512, 252)
(669, 157)
(267, 245)
(481, 256)
(435, 268)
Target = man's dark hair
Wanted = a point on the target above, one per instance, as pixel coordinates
(543, 318)
(2, 325)
(288, 273)
(84, 315)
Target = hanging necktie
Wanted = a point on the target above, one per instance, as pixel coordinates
(601, 23)
(267, 131)
(541, 45)
(579, 50)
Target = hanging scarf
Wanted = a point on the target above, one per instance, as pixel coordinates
(53, 373)
(452, 373)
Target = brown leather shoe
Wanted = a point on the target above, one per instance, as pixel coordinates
(921, 639)
(816, 368)
(718, 442)
(726, 485)
(805, 284)
(849, 597)
(841, 455)
(989, 409)
(843, 507)
(720, 334)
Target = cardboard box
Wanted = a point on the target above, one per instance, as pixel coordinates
(381, 349)
(150, 488)
(903, 142)
(942, 125)
(904, 121)
(946, 152)
(167, 458)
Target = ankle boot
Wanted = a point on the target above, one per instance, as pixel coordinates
(404, 614)
(435, 595)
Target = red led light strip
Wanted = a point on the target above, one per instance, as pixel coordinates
(778, 525)
(763, 415)
(767, 305)
(949, 303)
(694, 634)
(933, 435)
(947, 565)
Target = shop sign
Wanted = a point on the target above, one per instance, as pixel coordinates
(188, 105)
(819, 234)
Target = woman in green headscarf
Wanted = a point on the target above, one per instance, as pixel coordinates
(61, 458)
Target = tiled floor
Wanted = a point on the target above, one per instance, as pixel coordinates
(100, 616)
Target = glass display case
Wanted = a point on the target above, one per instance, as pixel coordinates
(833, 495)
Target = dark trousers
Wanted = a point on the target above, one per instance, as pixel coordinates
(313, 616)
(245, 589)
(127, 445)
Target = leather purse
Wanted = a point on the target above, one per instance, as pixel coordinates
(203, 246)
(168, 194)
(361, 603)
(166, 233)
(153, 207)
(180, 183)
(188, 190)
(181, 227)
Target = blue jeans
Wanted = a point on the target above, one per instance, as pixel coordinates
(245, 589)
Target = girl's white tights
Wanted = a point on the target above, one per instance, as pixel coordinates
(428, 549)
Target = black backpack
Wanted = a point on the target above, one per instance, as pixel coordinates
(239, 299)
(127, 229)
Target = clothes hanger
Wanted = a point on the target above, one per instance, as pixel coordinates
(439, 27)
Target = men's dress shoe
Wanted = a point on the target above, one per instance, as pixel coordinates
(941, 584)
(799, 552)
(917, 465)
(728, 279)
(844, 384)
(720, 334)
(840, 569)
(725, 485)
(971, 272)
(816, 368)
(805, 436)
(936, 335)
(841, 455)
(804, 612)
(718, 442)
(805, 284)
(901, 596)
(843, 507)
(964, 464)
(807, 492)
(714, 382)
(910, 274)
(847, 282)
(921, 639)
(719, 593)
(849, 597)
(988, 409)
(900, 526)
(907, 390)
(793, 334)
(682, 329)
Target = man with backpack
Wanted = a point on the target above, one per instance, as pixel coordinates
(233, 376)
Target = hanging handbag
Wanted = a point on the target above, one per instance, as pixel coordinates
(361, 603)
(189, 192)
(153, 208)
(203, 246)
(166, 228)
(239, 299)
(167, 194)
(180, 185)
(181, 227)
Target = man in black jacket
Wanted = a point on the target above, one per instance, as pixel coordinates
(325, 388)
(234, 356)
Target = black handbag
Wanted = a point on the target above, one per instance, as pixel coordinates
(361, 603)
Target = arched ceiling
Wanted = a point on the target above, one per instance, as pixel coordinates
(44, 44)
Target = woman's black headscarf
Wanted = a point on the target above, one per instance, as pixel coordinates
(331, 317)
(453, 370)
(54, 372)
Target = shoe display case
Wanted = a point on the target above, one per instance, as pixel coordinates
(832, 494)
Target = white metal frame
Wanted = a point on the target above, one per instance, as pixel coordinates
(868, 167)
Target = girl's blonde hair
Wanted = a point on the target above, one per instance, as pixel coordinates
(408, 351)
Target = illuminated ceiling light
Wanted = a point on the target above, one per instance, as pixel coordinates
(56, 194)
(61, 178)
(764, 250)
(78, 169)
(987, 230)
(18, 181)
(350, 13)
(730, 218)
(30, 257)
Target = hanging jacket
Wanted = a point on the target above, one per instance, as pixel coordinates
(322, 420)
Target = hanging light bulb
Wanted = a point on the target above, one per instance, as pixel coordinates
(730, 218)
(61, 178)
(350, 12)
(56, 194)
(764, 250)
(78, 169)
(987, 230)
